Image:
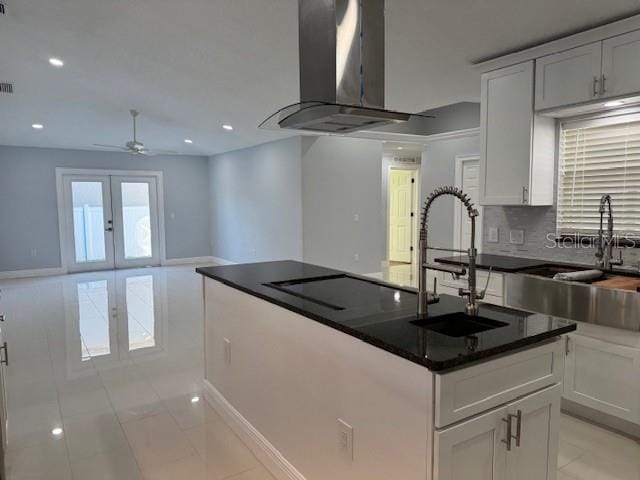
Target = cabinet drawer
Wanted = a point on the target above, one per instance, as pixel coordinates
(494, 288)
(463, 393)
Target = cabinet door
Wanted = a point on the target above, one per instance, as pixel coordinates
(621, 65)
(568, 77)
(603, 376)
(472, 449)
(506, 135)
(536, 456)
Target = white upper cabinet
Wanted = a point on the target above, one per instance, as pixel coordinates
(517, 147)
(621, 65)
(569, 77)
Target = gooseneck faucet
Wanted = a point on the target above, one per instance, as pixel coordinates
(604, 253)
(472, 294)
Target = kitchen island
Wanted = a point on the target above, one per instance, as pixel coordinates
(330, 375)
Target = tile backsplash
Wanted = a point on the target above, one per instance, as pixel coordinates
(539, 226)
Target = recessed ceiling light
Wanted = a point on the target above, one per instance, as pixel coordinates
(56, 62)
(188, 140)
(399, 148)
(227, 127)
(614, 103)
(37, 126)
(56, 432)
(195, 399)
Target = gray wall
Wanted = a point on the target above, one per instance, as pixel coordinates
(341, 177)
(256, 203)
(29, 236)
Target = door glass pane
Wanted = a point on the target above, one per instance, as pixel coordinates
(140, 312)
(93, 309)
(88, 221)
(136, 219)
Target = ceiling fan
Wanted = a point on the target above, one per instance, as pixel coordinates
(134, 146)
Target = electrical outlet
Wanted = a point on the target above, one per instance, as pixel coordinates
(34, 252)
(356, 257)
(493, 234)
(227, 351)
(345, 439)
(356, 217)
(516, 237)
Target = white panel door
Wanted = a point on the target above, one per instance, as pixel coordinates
(603, 376)
(401, 200)
(568, 77)
(506, 134)
(468, 179)
(621, 65)
(89, 223)
(473, 449)
(135, 216)
(534, 447)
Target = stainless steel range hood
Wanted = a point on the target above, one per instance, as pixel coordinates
(342, 69)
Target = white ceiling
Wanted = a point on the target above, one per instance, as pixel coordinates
(191, 65)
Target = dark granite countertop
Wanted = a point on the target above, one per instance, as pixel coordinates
(499, 263)
(511, 264)
(381, 314)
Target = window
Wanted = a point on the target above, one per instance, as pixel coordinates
(599, 156)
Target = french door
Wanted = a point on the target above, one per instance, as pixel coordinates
(111, 222)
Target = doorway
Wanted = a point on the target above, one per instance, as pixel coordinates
(402, 198)
(109, 221)
(467, 173)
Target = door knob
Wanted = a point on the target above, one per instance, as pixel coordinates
(110, 229)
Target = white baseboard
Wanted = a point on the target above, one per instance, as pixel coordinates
(222, 261)
(257, 443)
(187, 261)
(38, 272)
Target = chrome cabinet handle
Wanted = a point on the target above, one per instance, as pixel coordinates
(567, 347)
(507, 441)
(5, 360)
(518, 416)
(2, 318)
(595, 86)
(603, 85)
(525, 195)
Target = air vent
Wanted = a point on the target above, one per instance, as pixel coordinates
(407, 159)
(6, 88)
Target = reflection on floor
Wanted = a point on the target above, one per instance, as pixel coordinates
(105, 380)
(105, 383)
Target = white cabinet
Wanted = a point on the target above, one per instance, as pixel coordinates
(518, 440)
(603, 376)
(569, 77)
(621, 65)
(517, 146)
(472, 449)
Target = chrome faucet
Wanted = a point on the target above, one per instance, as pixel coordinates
(472, 294)
(604, 253)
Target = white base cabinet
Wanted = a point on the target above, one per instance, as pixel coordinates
(518, 440)
(289, 385)
(604, 376)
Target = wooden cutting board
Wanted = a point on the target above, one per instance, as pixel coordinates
(622, 283)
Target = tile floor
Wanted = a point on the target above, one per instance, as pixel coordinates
(105, 383)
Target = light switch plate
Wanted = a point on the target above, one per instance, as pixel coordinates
(516, 237)
(227, 351)
(493, 234)
(345, 439)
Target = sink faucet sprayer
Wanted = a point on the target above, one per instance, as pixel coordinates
(424, 298)
(605, 250)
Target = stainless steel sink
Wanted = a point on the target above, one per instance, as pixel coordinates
(459, 324)
(608, 307)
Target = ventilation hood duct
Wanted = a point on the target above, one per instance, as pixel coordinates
(342, 69)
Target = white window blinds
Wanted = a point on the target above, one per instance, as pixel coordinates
(599, 157)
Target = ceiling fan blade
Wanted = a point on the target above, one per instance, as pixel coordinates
(162, 152)
(116, 147)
